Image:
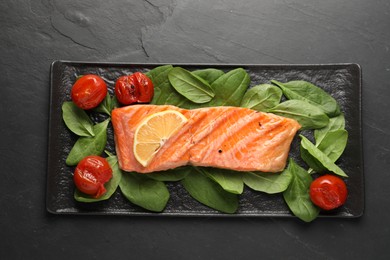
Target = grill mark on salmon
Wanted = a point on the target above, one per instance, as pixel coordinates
(233, 138)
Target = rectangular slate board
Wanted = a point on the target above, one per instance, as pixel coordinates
(342, 81)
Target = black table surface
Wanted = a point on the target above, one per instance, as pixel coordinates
(35, 33)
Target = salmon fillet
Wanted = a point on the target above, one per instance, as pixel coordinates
(233, 138)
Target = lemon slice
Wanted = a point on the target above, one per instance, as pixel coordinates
(153, 132)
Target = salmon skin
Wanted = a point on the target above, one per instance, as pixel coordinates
(233, 138)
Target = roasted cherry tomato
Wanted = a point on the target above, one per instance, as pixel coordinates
(328, 192)
(145, 86)
(126, 90)
(91, 174)
(135, 88)
(89, 91)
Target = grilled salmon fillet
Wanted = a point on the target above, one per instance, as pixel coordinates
(233, 138)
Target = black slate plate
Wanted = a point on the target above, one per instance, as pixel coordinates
(342, 81)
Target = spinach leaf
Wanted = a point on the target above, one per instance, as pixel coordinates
(209, 193)
(190, 86)
(210, 75)
(297, 194)
(76, 119)
(107, 105)
(164, 93)
(316, 159)
(159, 73)
(230, 181)
(110, 186)
(85, 146)
(162, 87)
(333, 144)
(230, 88)
(170, 175)
(308, 115)
(335, 123)
(303, 90)
(270, 183)
(262, 97)
(145, 192)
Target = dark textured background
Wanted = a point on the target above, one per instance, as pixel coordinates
(34, 33)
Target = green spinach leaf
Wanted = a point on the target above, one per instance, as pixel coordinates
(110, 186)
(262, 97)
(297, 194)
(107, 105)
(316, 159)
(145, 192)
(230, 88)
(171, 175)
(77, 120)
(210, 75)
(270, 183)
(190, 86)
(308, 115)
(162, 87)
(230, 181)
(209, 193)
(164, 93)
(306, 91)
(335, 123)
(85, 146)
(333, 144)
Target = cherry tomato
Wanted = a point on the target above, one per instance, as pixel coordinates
(89, 91)
(126, 90)
(328, 192)
(91, 174)
(145, 86)
(135, 88)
